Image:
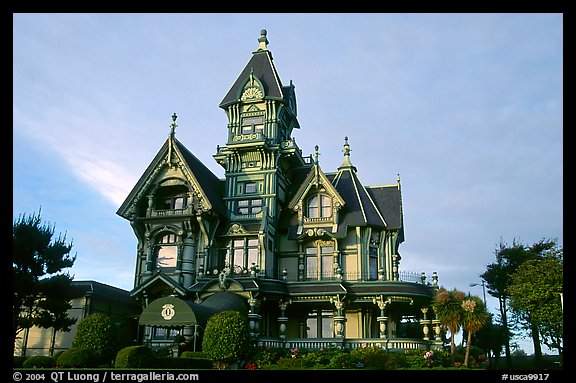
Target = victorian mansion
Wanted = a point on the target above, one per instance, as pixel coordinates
(310, 256)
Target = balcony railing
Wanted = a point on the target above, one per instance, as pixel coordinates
(403, 276)
(392, 344)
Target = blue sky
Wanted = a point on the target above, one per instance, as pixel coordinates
(467, 108)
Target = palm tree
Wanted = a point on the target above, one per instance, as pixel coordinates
(448, 308)
(474, 317)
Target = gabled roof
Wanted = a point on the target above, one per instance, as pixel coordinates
(361, 209)
(315, 177)
(261, 67)
(208, 185)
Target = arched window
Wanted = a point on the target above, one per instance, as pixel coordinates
(319, 206)
(167, 251)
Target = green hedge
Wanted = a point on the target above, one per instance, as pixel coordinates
(77, 357)
(18, 361)
(135, 357)
(39, 361)
(183, 363)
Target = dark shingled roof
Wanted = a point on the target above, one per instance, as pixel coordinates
(388, 199)
(264, 71)
(210, 184)
(359, 209)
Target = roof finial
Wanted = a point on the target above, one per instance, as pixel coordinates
(316, 155)
(346, 149)
(173, 125)
(263, 41)
(346, 164)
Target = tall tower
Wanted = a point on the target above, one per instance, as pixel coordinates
(258, 159)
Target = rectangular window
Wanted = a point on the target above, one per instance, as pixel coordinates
(373, 255)
(327, 261)
(249, 206)
(250, 187)
(245, 252)
(311, 263)
(320, 324)
(253, 124)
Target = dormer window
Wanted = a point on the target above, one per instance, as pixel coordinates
(172, 197)
(319, 206)
(171, 203)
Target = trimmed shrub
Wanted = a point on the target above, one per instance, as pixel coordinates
(371, 357)
(39, 361)
(135, 357)
(77, 357)
(182, 363)
(99, 333)
(18, 361)
(226, 338)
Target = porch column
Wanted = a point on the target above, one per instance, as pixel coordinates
(253, 317)
(339, 318)
(382, 319)
(425, 322)
(283, 319)
(437, 343)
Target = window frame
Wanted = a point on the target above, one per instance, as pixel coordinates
(164, 242)
(322, 205)
(249, 206)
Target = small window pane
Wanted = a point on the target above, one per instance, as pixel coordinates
(250, 187)
(252, 243)
(252, 256)
(167, 256)
(243, 203)
(238, 243)
(256, 202)
(179, 203)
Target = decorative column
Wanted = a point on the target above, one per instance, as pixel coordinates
(382, 319)
(339, 318)
(188, 255)
(283, 319)
(437, 343)
(253, 317)
(337, 268)
(395, 261)
(149, 255)
(425, 322)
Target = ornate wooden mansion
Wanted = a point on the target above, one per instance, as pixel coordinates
(310, 256)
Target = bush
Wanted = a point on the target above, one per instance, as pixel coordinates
(18, 361)
(135, 357)
(39, 361)
(99, 333)
(371, 357)
(183, 363)
(200, 359)
(226, 338)
(77, 357)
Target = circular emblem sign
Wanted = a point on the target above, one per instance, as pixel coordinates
(167, 311)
